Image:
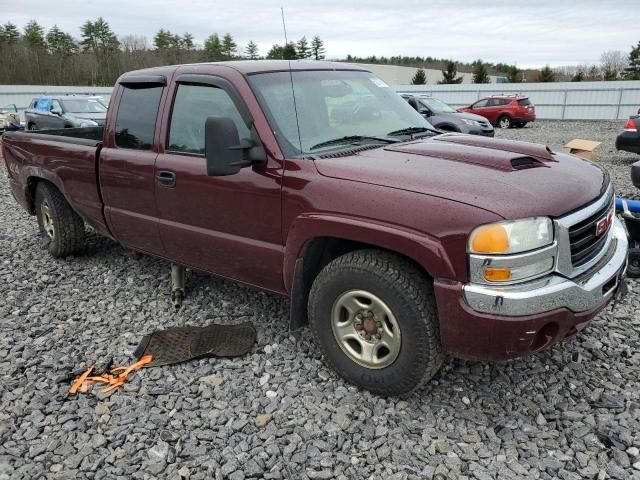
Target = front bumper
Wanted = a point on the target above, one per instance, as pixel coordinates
(494, 323)
(482, 131)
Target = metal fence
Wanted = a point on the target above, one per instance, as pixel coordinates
(553, 101)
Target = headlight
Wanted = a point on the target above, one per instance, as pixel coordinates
(88, 123)
(471, 123)
(511, 236)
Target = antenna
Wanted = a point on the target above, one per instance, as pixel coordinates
(284, 28)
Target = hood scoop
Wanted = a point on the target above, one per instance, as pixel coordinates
(541, 152)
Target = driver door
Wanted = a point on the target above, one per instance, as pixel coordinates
(226, 225)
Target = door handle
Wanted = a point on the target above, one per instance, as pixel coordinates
(166, 178)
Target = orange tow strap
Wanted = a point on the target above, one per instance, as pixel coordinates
(112, 379)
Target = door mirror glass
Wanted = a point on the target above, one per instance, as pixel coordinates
(56, 111)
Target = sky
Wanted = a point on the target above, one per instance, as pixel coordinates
(527, 33)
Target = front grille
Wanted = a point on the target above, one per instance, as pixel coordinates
(585, 243)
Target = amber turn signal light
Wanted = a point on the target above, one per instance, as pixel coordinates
(497, 274)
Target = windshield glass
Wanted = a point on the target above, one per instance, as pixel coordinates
(436, 106)
(83, 105)
(330, 105)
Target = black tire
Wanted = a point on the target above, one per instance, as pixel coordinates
(32, 126)
(505, 121)
(520, 124)
(633, 267)
(409, 296)
(62, 227)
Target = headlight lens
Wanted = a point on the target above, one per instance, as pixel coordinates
(471, 123)
(88, 123)
(511, 236)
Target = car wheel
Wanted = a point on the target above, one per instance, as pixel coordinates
(504, 121)
(33, 126)
(633, 267)
(373, 317)
(63, 228)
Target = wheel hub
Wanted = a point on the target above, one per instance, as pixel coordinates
(47, 220)
(365, 329)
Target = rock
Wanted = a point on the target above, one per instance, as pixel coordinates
(540, 420)
(158, 453)
(212, 381)
(633, 452)
(262, 420)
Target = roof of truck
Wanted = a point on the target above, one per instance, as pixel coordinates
(247, 67)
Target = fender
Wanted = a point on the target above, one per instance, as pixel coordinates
(424, 249)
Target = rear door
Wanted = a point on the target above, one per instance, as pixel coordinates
(127, 164)
(230, 225)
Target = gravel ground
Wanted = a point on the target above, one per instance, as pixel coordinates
(571, 412)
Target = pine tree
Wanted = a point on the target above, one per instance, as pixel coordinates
(98, 38)
(302, 49)
(480, 74)
(229, 47)
(449, 75)
(420, 77)
(34, 35)
(251, 50)
(578, 76)
(514, 74)
(213, 48)
(186, 42)
(9, 33)
(162, 39)
(632, 71)
(546, 75)
(61, 43)
(317, 48)
(278, 52)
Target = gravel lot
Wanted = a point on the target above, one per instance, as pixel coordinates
(572, 412)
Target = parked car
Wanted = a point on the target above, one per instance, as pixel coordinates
(65, 111)
(9, 118)
(397, 243)
(504, 111)
(629, 139)
(445, 118)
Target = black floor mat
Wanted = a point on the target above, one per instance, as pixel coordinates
(180, 344)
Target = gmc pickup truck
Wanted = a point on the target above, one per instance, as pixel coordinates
(396, 243)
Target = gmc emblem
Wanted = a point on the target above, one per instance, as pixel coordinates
(603, 225)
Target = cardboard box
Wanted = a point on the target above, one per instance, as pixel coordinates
(583, 148)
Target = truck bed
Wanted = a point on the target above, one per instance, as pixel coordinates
(68, 158)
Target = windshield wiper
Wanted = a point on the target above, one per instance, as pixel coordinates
(412, 130)
(352, 138)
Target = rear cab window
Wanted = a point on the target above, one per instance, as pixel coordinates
(136, 118)
(523, 102)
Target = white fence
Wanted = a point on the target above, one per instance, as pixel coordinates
(553, 101)
(557, 101)
(21, 95)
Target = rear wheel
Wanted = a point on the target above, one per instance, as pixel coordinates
(373, 317)
(63, 228)
(633, 268)
(504, 121)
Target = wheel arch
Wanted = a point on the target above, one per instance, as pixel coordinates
(316, 240)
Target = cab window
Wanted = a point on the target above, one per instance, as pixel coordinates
(192, 105)
(136, 120)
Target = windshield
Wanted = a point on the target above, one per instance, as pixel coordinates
(331, 105)
(436, 106)
(83, 105)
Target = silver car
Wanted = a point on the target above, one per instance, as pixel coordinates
(65, 111)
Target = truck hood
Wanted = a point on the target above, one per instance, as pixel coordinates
(509, 178)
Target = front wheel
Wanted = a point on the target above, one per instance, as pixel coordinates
(504, 121)
(63, 228)
(373, 317)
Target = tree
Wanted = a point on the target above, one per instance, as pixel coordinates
(213, 47)
(303, 50)
(278, 52)
(514, 74)
(632, 71)
(186, 42)
(420, 78)
(229, 47)
(163, 39)
(317, 48)
(251, 50)
(546, 75)
(34, 35)
(578, 76)
(9, 33)
(98, 38)
(61, 43)
(613, 63)
(449, 75)
(480, 74)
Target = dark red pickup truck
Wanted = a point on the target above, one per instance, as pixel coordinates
(315, 180)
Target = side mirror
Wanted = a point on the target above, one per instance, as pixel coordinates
(226, 154)
(426, 112)
(56, 111)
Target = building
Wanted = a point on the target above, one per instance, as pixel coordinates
(397, 75)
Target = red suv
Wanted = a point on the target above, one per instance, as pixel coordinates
(504, 111)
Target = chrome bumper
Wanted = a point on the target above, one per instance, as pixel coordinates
(585, 292)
